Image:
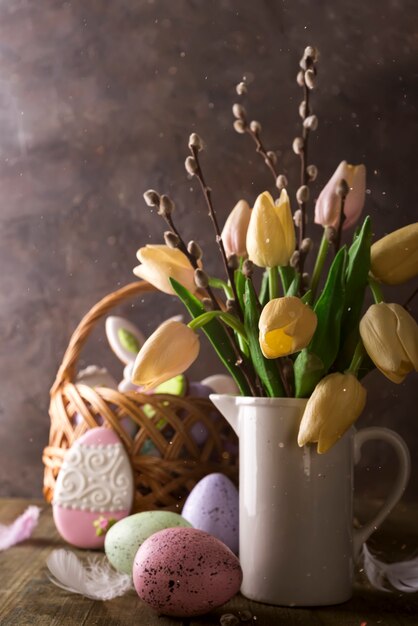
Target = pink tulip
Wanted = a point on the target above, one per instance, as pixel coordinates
(234, 233)
(328, 205)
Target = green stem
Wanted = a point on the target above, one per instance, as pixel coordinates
(217, 283)
(358, 356)
(229, 319)
(273, 282)
(319, 263)
(376, 290)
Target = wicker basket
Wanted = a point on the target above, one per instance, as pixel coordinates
(162, 481)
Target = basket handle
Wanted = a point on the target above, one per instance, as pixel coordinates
(83, 330)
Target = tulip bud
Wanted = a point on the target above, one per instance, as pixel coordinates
(281, 182)
(312, 172)
(328, 205)
(201, 278)
(168, 352)
(152, 198)
(311, 122)
(194, 249)
(239, 126)
(166, 205)
(255, 127)
(171, 239)
(298, 145)
(286, 326)
(241, 88)
(195, 142)
(271, 233)
(190, 165)
(390, 336)
(159, 263)
(234, 233)
(238, 111)
(335, 404)
(394, 258)
(302, 194)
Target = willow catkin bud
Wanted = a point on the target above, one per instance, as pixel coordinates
(303, 63)
(300, 79)
(312, 172)
(255, 127)
(190, 165)
(294, 259)
(330, 234)
(233, 261)
(297, 145)
(241, 88)
(281, 182)
(302, 194)
(239, 126)
(305, 279)
(306, 245)
(310, 79)
(302, 109)
(195, 250)
(201, 279)
(208, 304)
(343, 188)
(272, 156)
(152, 198)
(238, 111)
(311, 122)
(195, 142)
(248, 268)
(166, 205)
(297, 218)
(171, 239)
(311, 52)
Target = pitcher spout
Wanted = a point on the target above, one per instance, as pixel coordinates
(227, 405)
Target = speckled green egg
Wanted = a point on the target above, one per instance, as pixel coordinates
(124, 538)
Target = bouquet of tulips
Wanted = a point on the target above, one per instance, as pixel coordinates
(287, 332)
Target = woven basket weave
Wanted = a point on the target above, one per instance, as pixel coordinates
(160, 481)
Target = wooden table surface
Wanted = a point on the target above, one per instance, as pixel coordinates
(27, 597)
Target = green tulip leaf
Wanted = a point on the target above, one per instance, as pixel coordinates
(358, 266)
(216, 334)
(325, 343)
(294, 286)
(265, 368)
(287, 275)
(264, 295)
(240, 286)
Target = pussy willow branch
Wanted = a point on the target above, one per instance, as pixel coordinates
(303, 173)
(261, 150)
(211, 212)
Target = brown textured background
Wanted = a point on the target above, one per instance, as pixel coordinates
(97, 100)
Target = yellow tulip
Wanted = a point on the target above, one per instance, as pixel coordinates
(169, 351)
(234, 233)
(159, 263)
(286, 326)
(335, 404)
(394, 258)
(390, 336)
(271, 232)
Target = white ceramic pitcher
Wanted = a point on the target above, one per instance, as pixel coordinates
(297, 541)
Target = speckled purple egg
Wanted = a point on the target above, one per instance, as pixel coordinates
(212, 505)
(185, 571)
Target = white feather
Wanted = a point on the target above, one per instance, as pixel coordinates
(95, 578)
(402, 576)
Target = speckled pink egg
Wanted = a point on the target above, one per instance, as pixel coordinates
(185, 571)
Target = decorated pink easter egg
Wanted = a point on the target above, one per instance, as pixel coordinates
(185, 571)
(94, 488)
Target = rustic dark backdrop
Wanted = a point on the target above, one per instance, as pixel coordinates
(97, 100)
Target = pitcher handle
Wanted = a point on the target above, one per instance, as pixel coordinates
(361, 535)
